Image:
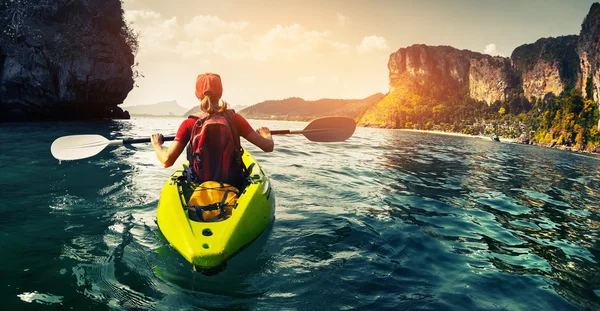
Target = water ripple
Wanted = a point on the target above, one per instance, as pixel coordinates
(386, 220)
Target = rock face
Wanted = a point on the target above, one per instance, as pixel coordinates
(589, 53)
(484, 77)
(547, 67)
(491, 78)
(68, 60)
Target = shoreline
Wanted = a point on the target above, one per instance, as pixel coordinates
(488, 138)
(502, 140)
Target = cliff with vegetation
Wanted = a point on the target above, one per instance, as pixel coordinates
(63, 59)
(545, 93)
(547, 67)
(432, 80)
(298, 109)
(589, 53)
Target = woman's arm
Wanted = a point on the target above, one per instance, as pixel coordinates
(261, 138)
(166, 156)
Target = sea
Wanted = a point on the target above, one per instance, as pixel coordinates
(387, 220)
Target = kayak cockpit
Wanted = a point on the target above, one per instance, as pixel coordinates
(208, 237)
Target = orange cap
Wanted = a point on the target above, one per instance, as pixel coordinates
(209, 84)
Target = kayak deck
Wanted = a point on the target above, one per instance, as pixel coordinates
(208, 245)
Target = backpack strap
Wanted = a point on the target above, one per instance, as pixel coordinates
(229, 113)
(200, 118)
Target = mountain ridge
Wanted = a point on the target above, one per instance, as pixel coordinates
(164, 108)
(298, 109)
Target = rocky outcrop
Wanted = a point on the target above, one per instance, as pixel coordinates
(589, 53)
(429, 76)
(420, 64)
(65, 60)
(490, 79)
(547, 67)
(442, 71)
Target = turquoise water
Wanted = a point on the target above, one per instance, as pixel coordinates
(388, 220)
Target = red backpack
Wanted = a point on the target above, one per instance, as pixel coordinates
(214, 151)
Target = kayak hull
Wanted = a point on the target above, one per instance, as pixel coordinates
(209, 245)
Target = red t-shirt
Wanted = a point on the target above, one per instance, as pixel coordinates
(185, 129)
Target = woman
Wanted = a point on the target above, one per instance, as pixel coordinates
(209, 90)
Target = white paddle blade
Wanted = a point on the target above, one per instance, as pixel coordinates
(76, 147)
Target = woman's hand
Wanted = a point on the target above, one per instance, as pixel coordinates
(261, 138)
(264, 132)
(157, 139)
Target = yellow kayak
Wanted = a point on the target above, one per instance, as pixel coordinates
(209, 243)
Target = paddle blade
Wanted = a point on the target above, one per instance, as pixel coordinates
(330, 129)
(76, 147)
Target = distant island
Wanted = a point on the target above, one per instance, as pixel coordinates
(162, 109)
(298, 109)
(196, 109)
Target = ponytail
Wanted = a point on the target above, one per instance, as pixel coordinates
(209, 107)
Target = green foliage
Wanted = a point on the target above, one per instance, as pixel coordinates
(589, 88)
(574, 122)
(568, 119)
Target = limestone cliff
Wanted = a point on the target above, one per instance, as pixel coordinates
(441, 71)
(421, 77)
(63, 59)
(547, 67)
(589, 53)
(490, 79)
(426, 76)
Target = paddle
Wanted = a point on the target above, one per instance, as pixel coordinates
(75, 147)
(327, 129)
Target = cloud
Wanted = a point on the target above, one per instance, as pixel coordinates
(154, 37)
(129, 1)
(196, 48)
(232, 47)
(212, 26)
(306, 80)
(343, 20)
(372, 44)
(156, 32)
(141, 15)
(210, 37)
(294, 41)
(491, 49)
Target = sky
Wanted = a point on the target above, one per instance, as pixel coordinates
(268, 49)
